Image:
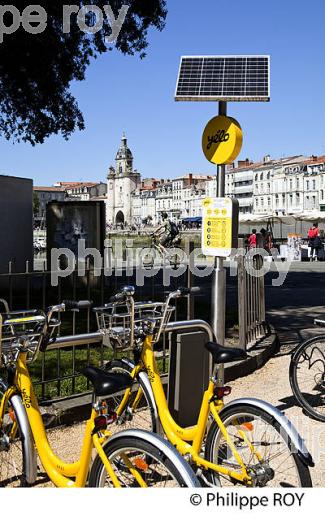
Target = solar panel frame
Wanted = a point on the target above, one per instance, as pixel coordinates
(202, 78)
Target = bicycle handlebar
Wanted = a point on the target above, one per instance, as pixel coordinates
(71, 305)
(184, 291)
(118, 298)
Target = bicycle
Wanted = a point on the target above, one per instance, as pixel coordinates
(132, 458)
(246, 441)
(307, 376)
(162, 251)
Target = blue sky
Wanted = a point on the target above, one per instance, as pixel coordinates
(136, 96)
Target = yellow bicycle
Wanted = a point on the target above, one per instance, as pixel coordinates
(246, 442)
(132, 458)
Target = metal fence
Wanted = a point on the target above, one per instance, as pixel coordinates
(57, 373)
(251, 299)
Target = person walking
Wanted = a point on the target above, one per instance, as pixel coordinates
(267, 240)
(252, 239)
(314, 242)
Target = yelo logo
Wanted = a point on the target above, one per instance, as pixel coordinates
(222, 140)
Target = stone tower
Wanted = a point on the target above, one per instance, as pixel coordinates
(122, 181)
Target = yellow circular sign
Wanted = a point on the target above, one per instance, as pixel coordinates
(222, 140)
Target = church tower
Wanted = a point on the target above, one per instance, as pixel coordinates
(122, 182)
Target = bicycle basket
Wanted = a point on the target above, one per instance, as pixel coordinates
(18, 326)
(114, 321)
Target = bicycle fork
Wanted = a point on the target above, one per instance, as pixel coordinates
(21, 421)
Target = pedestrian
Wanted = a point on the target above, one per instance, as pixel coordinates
(252, 239)
(267, 240)
(314, 242)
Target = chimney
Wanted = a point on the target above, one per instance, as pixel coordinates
(266, 158)
(190, 179)
(245, 163)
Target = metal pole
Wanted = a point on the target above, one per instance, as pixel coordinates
(218, 303)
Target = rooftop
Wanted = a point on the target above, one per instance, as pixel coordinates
(48, 188)
(76, 184)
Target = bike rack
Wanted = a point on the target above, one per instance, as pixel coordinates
(96, 337)
(199, 325)
(77, 340)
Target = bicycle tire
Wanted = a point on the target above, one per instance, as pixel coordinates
(143, 418)
(12, 454)
(216, 450)
(157, 460)
(304, 399)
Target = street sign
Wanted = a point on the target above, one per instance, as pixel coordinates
(219, 226)
(222, 140)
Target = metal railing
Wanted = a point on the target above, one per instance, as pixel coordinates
(251, 298)
(57, 373)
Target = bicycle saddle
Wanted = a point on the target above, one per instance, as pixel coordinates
(222, 354)
(106, 383)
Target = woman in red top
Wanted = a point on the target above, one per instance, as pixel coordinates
(252, 239)
(314, 241)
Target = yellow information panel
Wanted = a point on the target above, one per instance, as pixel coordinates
(222, 140)
(219, 226)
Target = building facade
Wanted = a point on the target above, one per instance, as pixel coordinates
(122, 184)
(83, 190)
(286, 186)
(132, 201)
(43, 195)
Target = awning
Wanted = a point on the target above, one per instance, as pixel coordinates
(192, 219)
(289, 220)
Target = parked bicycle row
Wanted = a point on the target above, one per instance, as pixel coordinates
(244, 442)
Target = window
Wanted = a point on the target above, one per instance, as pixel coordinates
(314, 184)
(307, 185)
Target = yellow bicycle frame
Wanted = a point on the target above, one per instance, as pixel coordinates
(59, 472)
(188, 441)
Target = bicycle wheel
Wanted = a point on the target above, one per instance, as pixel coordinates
(149, 257)
(307, 376)
(250, 427)
(138, 413)
(154, 459)
(12, 455)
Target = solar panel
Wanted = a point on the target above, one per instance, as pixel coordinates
(223, 78)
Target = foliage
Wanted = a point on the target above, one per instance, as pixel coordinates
(36, 71)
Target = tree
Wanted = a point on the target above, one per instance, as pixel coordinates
(36, 70)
